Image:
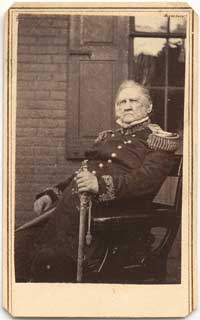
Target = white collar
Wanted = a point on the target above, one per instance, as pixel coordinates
(132, 124)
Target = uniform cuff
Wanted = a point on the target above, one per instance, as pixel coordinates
(49, 192)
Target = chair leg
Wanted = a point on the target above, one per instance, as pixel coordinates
(157, 267)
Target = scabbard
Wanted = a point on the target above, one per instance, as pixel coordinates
(82, 228)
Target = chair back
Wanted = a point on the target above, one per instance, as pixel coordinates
(178, 173)
(170, 192)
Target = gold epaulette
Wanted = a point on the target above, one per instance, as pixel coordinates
(102, 135)
(162, 140)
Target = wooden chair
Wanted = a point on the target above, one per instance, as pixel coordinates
(133, 254)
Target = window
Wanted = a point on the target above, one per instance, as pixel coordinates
(157, 60)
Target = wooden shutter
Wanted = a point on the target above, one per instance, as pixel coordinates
(98, 62)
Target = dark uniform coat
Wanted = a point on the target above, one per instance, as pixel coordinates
(130, 165)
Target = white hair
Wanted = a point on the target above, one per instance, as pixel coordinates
(132, 84)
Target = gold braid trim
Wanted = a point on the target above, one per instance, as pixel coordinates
(162, 140)
(102, 135)
(109, 194)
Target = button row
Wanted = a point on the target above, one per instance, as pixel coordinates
(101, 165)
(113, 155)
(128, 141)
(113, 135)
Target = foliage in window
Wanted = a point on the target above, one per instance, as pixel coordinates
(149, 61)
(177, 25)
(147, 22)
(176, 54)
(158, 61)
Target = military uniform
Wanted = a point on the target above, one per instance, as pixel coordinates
(130, 165)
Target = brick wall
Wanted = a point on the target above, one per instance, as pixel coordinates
(41, 108)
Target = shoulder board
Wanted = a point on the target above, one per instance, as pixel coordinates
(103, 135)
(162, 140)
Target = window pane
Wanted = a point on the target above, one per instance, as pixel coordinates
(177, 24)
(151, 22)
(157, 115)
(176, 62)
(149, 61)
(175, 110)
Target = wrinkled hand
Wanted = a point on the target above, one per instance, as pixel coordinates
(42, 204)
(87, 181)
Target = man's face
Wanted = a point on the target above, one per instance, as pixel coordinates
(130, 105)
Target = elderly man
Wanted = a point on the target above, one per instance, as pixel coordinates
(125, 169)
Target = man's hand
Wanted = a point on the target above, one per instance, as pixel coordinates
(87, 181)
(42, 204)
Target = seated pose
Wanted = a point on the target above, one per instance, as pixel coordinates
(125, 169)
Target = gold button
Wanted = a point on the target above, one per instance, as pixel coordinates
(75, 178)
(48, 267)
(119, 147)
(112, 135)
(133, 135)
(109, 161)
(94, 172)
(129, 141)
(113, 155)
(125, 142)
(100, 165)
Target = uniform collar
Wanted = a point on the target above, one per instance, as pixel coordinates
(132, 124)
(136, 126)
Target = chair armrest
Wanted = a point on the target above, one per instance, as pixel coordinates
(160, 216)
(44, 217)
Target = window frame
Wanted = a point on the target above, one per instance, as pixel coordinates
(166, 35)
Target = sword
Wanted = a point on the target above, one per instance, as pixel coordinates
(85, 204)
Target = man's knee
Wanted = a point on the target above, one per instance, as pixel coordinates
(24, 252)
(52, 265)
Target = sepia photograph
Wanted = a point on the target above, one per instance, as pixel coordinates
(100, 124)
(69, 71)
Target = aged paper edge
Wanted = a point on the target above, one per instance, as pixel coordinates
(5, 172)
(195, 162)
(10, 292)
(172, 5)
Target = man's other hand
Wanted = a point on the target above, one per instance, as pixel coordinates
(87, 181)
(42, 204)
